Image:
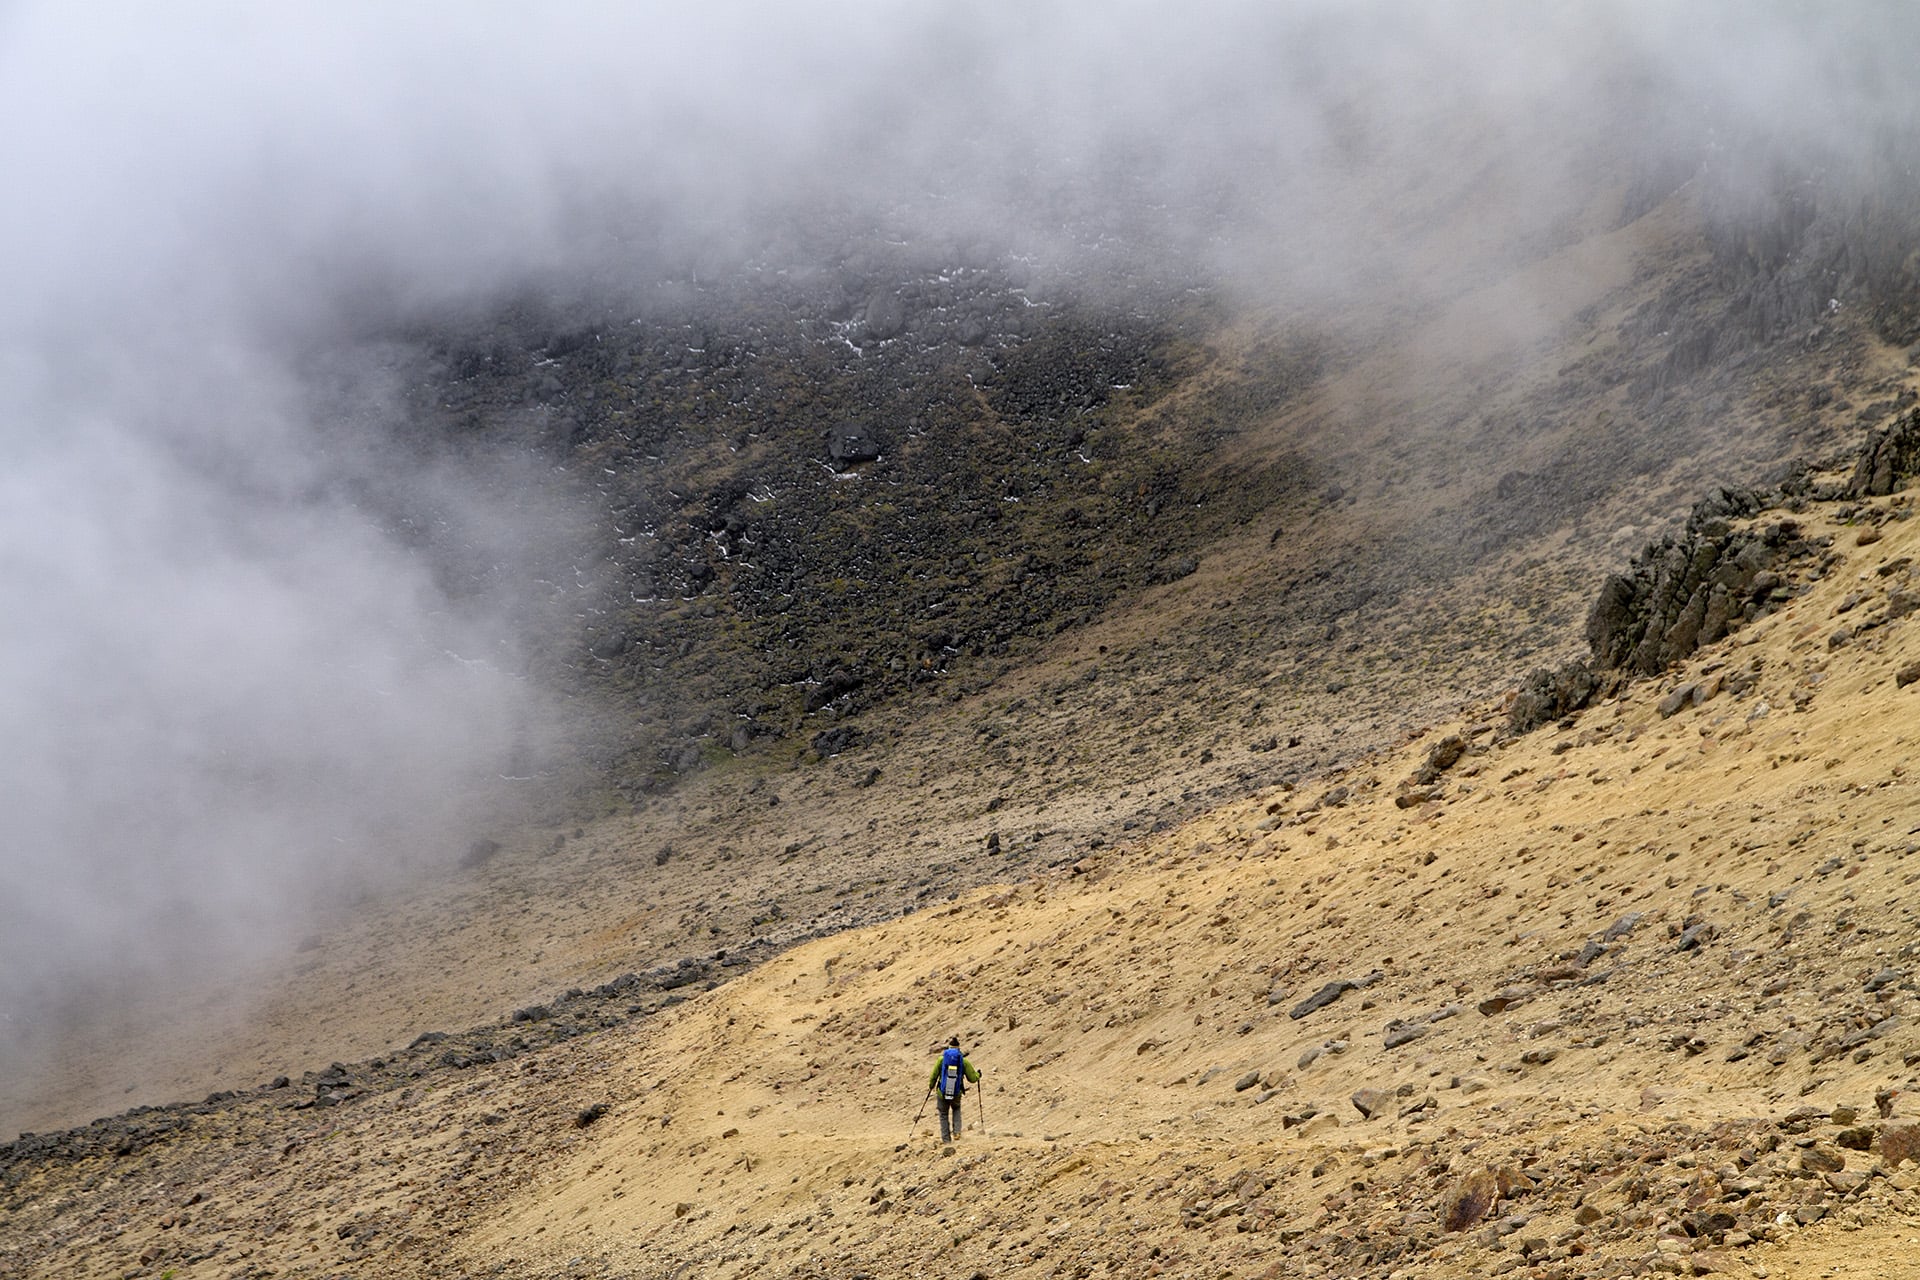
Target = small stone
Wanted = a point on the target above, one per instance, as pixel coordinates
(1696, 935)
(1711, 1225)
(1623, 926)
(1848, 1182)
(1371, 1102)
(1400, 1033)
(1469, 1200)
(1320, 999)
(1822, 1160)
(1858, 1138)
(1675, 701)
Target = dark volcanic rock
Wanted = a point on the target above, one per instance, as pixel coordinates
(885, 315)
(1679, 593)
(1322, 998)
(1684, 592)
(837, 683)
(831, 742)
(849, 444)
(1889, 456)
(1547, 695)
(1399, 1033)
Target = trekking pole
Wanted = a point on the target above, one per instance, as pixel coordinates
(981, 1098)
(921, 1112)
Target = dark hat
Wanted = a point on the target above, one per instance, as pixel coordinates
(954, 1041)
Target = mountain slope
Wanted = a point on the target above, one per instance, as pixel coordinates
(1632, 991)
(1289, 542)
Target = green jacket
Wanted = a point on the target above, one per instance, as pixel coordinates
(967, 1069)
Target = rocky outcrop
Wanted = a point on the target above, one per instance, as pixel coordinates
(1549, 693)
(1889, 455)
(1724, 569)
(1797, 235)
(1691, 590)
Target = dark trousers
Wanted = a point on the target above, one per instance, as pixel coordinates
(950, 1117)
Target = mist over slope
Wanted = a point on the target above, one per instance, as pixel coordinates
(380, 389)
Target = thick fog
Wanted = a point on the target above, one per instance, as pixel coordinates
(230, 691)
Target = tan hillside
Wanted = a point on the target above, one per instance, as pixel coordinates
(1649, 980)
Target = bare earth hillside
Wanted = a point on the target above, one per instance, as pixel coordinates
(1633, 992)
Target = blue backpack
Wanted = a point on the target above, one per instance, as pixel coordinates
(952, 1075)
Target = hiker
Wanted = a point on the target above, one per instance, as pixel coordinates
(951, 1075)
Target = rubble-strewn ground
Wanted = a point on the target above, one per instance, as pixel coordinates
(1632, 992)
